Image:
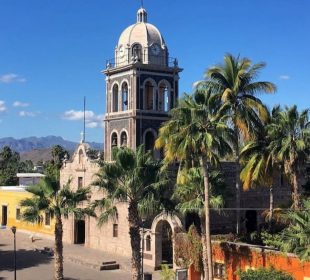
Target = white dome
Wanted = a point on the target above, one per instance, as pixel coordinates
(141, 32)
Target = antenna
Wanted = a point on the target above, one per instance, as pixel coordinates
(142, 3)
(84, 120)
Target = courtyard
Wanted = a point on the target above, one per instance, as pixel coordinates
(79, 262)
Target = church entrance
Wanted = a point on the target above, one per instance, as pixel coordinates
(164, 244)
(4, 219)
(79, 232)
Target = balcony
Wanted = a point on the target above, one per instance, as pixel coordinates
(145, 59)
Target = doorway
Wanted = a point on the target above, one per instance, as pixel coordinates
(79, 234)
(4, 219)
(251, 221)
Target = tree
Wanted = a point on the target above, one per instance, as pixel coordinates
(194, 135)
(296, 237)
(259, 163)
(9, 166)
(235, 84)
(190, 197)
(291, 145)
(136, 178)
(57, 202)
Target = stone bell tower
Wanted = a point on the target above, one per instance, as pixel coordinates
(141, 87)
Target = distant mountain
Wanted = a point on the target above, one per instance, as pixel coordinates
(35, 143)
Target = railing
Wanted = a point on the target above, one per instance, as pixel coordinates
(146, 59)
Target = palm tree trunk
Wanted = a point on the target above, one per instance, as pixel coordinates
(238, 191)
(135, 241)
(296, 193)
(58, 249)
(204, 248)
(270, 220)
(204, 167)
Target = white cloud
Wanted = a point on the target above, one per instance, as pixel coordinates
(20, 104)
(27, 114)
(91, 119)
(11, 78)
(2, 106)
(284, 77)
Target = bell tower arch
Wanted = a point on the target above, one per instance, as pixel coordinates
(142, 85)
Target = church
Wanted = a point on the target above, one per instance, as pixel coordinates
(142, 85)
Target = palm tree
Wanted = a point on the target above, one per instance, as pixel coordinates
(235, 84)
(49, 198)
(296, 237)
(259, 163)
(189, 194)
(136, 178)
(196, 134)
(291, 145)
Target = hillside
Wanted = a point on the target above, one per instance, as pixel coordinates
(41, 143)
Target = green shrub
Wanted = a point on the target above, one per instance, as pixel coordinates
(264, 274)
(166, 273)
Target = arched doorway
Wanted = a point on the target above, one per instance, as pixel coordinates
(164, 227)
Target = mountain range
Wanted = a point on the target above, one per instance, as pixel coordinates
(34, 143)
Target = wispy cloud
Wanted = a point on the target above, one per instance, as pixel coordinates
(12, 78)
(20, 104)
(284, 77)
(28, 114)
(2, 107)
(91, 119)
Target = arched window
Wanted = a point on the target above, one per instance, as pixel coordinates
(148, 243)
(124, 139)
(163, 98)
(149, 141)
(81, 155)
(149, 96)
(136, 53)
(115, 98)
(124, 97)
(113, 143)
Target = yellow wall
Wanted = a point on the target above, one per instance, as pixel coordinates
(11, 199)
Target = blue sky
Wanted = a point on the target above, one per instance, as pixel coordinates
(52, 52)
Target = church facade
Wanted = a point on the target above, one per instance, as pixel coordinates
(142, 85)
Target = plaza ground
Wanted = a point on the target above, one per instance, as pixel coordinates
(79, 262)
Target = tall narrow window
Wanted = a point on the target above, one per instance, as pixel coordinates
(163, 98)
(115, 98)
(149, 141)
(18, 214)
(136, 53)
(149, 96)
(80, 182)
(148, 243)
(124, 139)
(113, 143)
(115, 230)
(124, 97)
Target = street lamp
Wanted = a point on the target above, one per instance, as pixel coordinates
(143, 220)
(14, 232)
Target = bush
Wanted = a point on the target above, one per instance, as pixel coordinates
(264, 274)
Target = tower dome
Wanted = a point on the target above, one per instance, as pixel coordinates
(141, 42)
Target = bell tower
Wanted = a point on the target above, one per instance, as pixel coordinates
(142, 85)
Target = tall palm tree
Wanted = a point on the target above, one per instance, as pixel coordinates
(235, 83)
(50, 198)
(136, 178)
(259, 163)
(291, 145)
(196, 134)
(189, 195)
